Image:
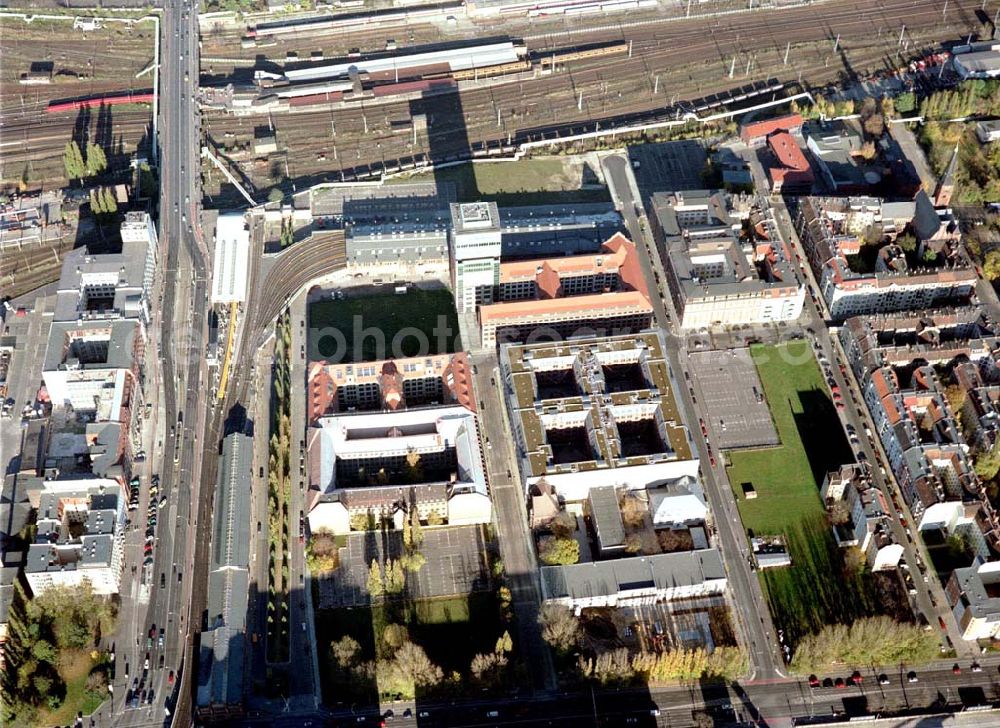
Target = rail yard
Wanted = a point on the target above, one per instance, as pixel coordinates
(74, 79)
(566, 72)
(54, 63)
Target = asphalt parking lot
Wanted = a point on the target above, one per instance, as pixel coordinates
(668, 165)
(456, 565)
(732, 399)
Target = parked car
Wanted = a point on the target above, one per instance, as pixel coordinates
(911, 677)
(813, 681)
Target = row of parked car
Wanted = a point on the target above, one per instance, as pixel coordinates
(856, 678)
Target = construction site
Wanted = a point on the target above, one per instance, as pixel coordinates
(301, 102)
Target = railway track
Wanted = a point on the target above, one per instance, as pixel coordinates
(691, 62)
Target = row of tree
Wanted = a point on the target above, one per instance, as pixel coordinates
(867, 641)
(278, 494)
(404, 666)
(976, 96)
(78, 166)
(561, 630)
(621, 666)
(102, 201)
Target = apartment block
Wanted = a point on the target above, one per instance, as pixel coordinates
(837, 234)
(114, 285)
(899, 359)
(80, 535)
(393, 384)
(868, 525)
(593, 412)
(724, 261)
(556, 298)
(94, 367)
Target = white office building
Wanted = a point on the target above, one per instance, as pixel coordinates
(475, 253)
(386, 464)
(231, 266)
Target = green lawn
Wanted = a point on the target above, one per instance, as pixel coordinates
(377, 327)
(526, 182)
(787, 478)
(74, 668)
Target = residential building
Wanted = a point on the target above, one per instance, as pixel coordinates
(979, 383)
(592, 412)
(716, 274)
(80, 535)
(834, 234)
(113, 285)
(937, 336)
(384, 465)
(94, 367)
(868, 526)
(895, 360)
(639, 580)
(231, 266)
(393, 384)
(223, 643)
(974, 596)
(566, 296)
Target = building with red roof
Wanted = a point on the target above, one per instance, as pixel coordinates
(392, 384)
(755, 134)
(560, 295)
(792, 171)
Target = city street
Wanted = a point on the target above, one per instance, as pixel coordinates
(510, 514)
(176, 385)
(746, 596)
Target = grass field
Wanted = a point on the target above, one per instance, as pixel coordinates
(815, 591)
(525, 182)
(74, 668)
(377, 327)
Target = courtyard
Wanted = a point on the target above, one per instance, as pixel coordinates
(456, 565)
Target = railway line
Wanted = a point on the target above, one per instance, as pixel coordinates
(691, 60)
